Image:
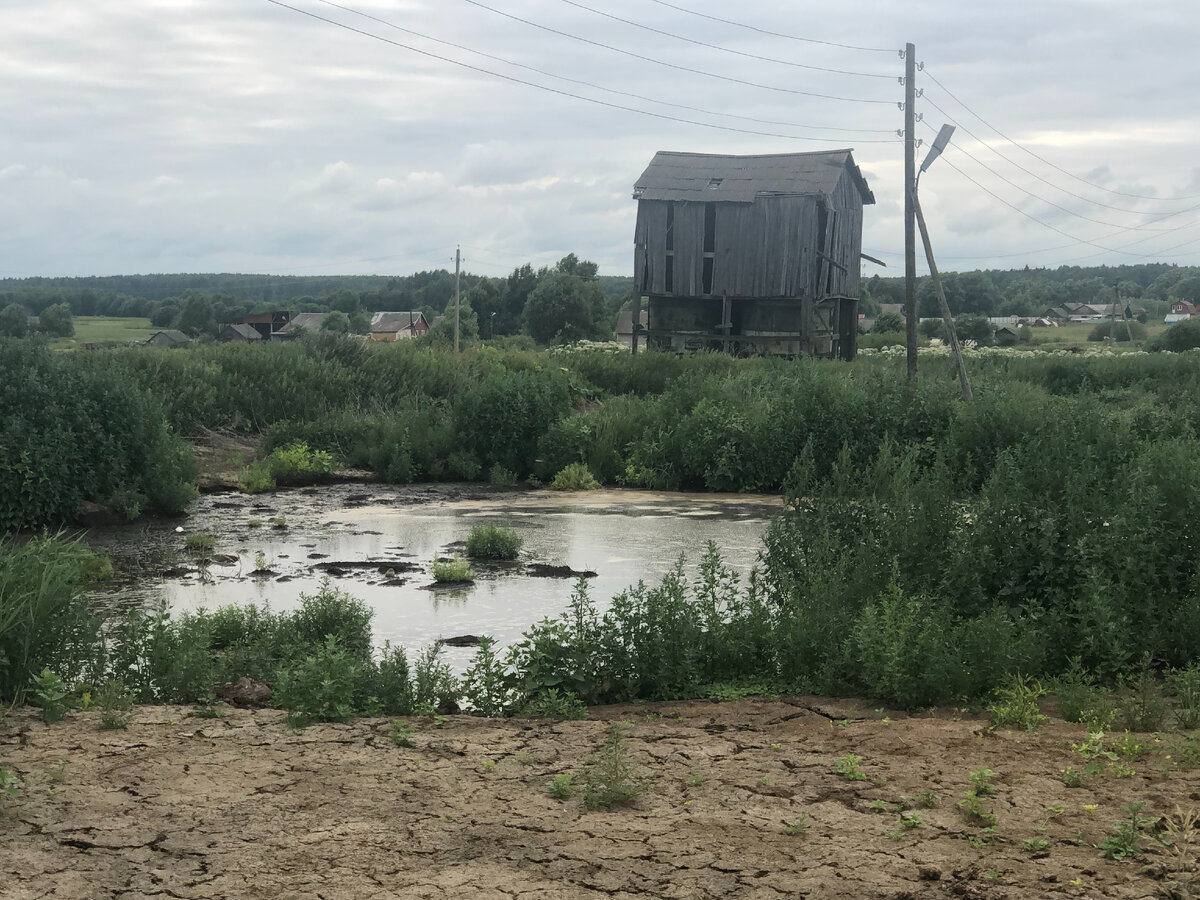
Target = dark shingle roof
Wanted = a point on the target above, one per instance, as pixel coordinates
(392, 322)
(245, 331)
(739, 179)
(175, 337)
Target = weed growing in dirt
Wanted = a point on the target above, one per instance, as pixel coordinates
(1142, 702)
(489, 766)
(878, 806)
(279, 522)
(575, 477)
(981, 782)
(115, 703)
(255, 523)
(1184, 686)
(402, 734)
(847, 767)
(1015, 705)
(1034, 845)
(1128, 748)
(450, 571)
(208, 708)
(985, 837)
(1185, 751)
(294, 464)
(609, 781)
(911, 820)
(695, 780)
(927, 799)
(52, 694)
(488, 541)
(1181, 832)
(976, 813)
(433, 684)
(560, 787)
(796, 826)
(1126, 838)
(10, 787)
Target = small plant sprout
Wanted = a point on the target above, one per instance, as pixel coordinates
(927, 799)
(879, 806)
(695, 780)
(489, 766)
(1034, 845)
(1072, 778)
(260, 561)
(1016, 705)
(1125, 839)
(200, 543)
(52, 694)
(847, 767)
(981, 782)
(560, 787)
(1054, 811)
(973, 808)
(796, 826)
(402, 733)
(279, 522)
(609, 780)
(985, 837)
(10, 787)
(255, 523)
(116, 706)
(911, 820)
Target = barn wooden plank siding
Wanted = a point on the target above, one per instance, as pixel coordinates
(751, 254)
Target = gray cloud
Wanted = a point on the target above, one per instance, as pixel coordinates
(171, 135)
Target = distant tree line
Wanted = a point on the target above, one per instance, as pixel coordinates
(554, 304)
(1030, 292)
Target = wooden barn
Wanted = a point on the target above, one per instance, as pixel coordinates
(751, 254)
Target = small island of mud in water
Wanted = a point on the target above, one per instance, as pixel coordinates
(799, 797)
(377, 542)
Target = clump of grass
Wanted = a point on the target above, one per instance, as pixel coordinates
(487, 541)
(200, 543)
(450, 571)
(847, 767)
(561, 787)
(609, 780)
(402, 733)
(575, 477)
(796, 826)
(293, 464)
(115, 703)
(1016, 705)
(279, 522)
(555, 704)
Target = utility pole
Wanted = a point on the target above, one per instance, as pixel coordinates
(952, 333)
(457, 272)
(910, 191)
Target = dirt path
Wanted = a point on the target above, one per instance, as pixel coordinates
(243, 807)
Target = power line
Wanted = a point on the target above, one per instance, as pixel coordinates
(1058, 206)
(590, 84)
(659, 62)
(1033, 174)
(679, 37)
(1019, 146)
(790, 37)
(552, 90)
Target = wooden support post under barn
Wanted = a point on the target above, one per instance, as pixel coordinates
(751, 254)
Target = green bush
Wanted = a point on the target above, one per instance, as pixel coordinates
(292, 465)
(489, 541)
(575, 477)
(501, 477)
(452, 570)
(318, 687)
(1118, 331)
(1181, 336)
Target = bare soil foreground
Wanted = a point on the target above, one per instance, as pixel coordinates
(741, 800)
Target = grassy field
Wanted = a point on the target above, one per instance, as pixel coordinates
(1077, 333)
(100, 329)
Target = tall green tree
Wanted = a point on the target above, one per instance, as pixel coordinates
(56, 320)
(14, 321)
(563, 308)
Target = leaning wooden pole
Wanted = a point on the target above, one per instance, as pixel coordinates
(955, 347)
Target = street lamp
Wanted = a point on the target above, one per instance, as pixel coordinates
(939, 144)
(491, 326)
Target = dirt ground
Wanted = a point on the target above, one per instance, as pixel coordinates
(741, 800)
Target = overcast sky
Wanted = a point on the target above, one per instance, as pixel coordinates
(241, 136)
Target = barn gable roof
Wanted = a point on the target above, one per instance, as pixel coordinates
(394, 322)
(705, 177)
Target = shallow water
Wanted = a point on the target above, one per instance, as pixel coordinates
(622, 536)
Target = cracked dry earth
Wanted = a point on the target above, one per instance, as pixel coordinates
(242, 807)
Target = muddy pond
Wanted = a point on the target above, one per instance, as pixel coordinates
(378, 542)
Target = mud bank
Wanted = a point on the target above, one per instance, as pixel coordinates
(741, 800)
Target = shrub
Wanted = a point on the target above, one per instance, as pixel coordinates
(1015, 705)
(115, 703)
(501, 477)
(609, 781)
(331, 613)
(1118, 331)
(454, 570)
(560, 787)
(487, 541)
(1181, 336)
(10, 787)
(575, 477)
(294, 464)
(484, 684)
(318, 687)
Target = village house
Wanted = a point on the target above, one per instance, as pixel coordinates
(397, 326)
(1092, 312)
(301, 322)
(168, 338)
(750, 254)
(266, 324)
(240, 333)
(1183, 308)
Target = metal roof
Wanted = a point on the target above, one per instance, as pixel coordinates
(739, 179)
(244, 331)
(306, 321)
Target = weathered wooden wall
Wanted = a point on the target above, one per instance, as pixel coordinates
(768, 248)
